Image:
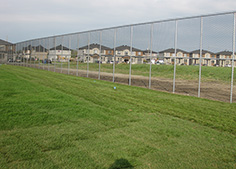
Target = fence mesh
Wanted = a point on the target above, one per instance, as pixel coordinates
(191, 56)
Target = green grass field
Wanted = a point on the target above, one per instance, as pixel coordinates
(220, 74)
(51, 120)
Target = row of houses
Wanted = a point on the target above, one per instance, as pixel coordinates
(7, 50)
(93, 52)
(139, 56)
(223, 58)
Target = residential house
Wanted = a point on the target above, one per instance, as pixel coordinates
(208, 58)
(224, 58)
(147, 54)
(92, 56)
(35, 52)
(60, 53)
(39, 52)
(182, 57)
(123, 54)
(7, 51)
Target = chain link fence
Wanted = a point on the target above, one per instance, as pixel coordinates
(193, 56)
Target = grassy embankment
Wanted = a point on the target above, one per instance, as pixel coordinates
(50, 120)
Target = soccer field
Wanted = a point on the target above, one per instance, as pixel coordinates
(51, 120)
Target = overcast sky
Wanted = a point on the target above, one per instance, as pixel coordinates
(28, 19)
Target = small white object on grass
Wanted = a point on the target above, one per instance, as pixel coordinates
(114, 87)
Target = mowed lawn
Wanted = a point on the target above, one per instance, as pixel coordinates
(51, 120)
(209, 73)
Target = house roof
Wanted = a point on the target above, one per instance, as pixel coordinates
(60, 47)
(126, 47)
(3, 42)
(95, 45)
(39, 48)
(172, 50)
(148, 51)
(225, 53)
(203, 52)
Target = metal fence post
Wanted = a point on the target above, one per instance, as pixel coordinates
(77, 63)
(35, 56)
(26, 55)
(200, 61)
(233, 57)
(88, 54)
(61, 51)
(100, 48)
(14, 48)
(18, 53)
(39, 52)
(15, 53)
(131, 51)
(44, 44)
(114, 56)
(55, 53)
(176, 41)
(69, 55)
(48, 52)
(30, 53)
(23, 52)
(150, 70)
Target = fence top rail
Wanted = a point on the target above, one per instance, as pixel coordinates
(137, 24)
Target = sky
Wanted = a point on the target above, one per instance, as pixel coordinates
(29, 19)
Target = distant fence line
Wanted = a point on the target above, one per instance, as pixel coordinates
(207, 40)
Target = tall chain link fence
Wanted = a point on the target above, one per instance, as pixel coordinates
(192, 56)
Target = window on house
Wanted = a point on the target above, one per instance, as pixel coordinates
(139, 53)
(95, 51)
(126, 53)
(2, 48)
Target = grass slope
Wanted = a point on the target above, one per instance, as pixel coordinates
(50, 120)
